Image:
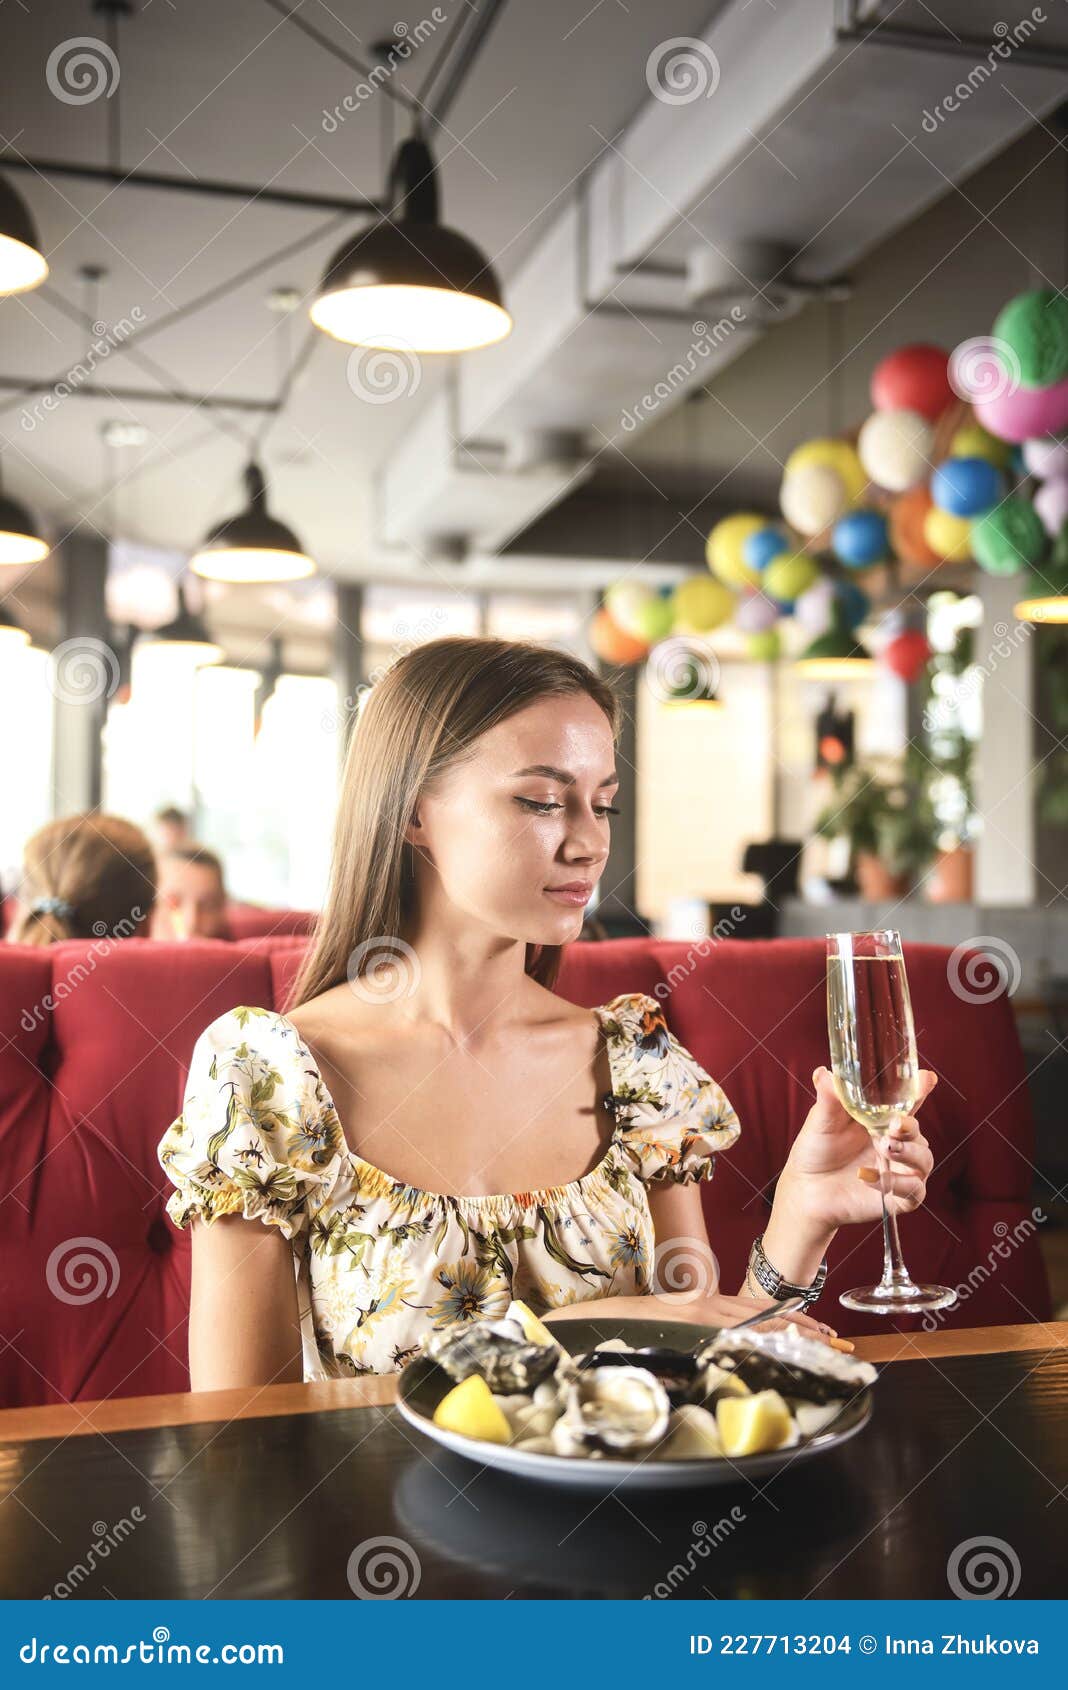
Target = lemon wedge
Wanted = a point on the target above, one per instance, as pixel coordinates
(533, 1329)
(469, 1409)
(750, 1425)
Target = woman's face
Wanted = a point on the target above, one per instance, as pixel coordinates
(523, 816)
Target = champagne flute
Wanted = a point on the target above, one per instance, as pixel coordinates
(877, 1077)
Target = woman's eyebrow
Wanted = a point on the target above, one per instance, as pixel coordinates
(561, 774)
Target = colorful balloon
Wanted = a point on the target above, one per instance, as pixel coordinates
(971, 441)
(638, 610)
(908, 514)
(812, 497)
(907, 655)
(1034, 329)
(763, 647)
(950, 537)
(895, 448)
(759, 548)
(914, 378)
(1046, 459)
(610, 643)
(700, 604)
(851, 603)
(787, 577)
(1020, 413)
(813, 608)
(1009, 537)
(755, 613)
(723, 551)
(965, 486)
(1051, 506)
(860, 539)
(839, 455)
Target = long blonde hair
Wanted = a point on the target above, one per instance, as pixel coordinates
(98, 874)
(419, 719)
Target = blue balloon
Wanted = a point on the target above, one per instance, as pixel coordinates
(860, 538)
(854, 601)
(758, 549)
(1018, 462)
(966, 486)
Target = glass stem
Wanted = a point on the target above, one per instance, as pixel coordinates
(895, 1274)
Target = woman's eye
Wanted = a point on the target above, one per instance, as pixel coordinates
(546, 809)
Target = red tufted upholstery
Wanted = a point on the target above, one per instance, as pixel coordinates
(94, 1047)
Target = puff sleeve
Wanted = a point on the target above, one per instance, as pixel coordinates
(256, 1136)
(676, 1117)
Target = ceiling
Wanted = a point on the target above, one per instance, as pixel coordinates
(237, 92)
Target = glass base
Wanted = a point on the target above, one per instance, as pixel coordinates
(898, 1299)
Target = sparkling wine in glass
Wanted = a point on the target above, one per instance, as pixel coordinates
(877, 1077)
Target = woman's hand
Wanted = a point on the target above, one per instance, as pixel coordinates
(831, 1177)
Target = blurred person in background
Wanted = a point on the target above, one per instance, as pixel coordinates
(191, 898)
(169, 829)
(85, 877)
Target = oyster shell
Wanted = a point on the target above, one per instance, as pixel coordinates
(786, 1361)
(612, 1411)
(676, 1370)
(498, 1350)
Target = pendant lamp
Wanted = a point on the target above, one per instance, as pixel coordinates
(187, 634)
(19, 540)
(408, 283)
(22, 263)
(837, 654)
(12, 633)
(253, 546)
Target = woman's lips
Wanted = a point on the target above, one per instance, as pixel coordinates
(570, 894)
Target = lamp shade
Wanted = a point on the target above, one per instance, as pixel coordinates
(19, 539)
(837, 654)
(11, 631)
(407, 282)
(22, 263)
(252, 546)
(187, 633)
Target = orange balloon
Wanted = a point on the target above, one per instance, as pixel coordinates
(907, 515)
(611, 644)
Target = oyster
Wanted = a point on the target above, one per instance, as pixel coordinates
(786, 1361)
(612, 1411)
(676, 1370)
(498, 1350)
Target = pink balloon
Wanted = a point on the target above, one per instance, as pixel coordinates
(813, 609)
(1051, 503)
(1019, 415)
(756, 613)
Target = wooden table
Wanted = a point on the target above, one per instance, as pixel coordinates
(269, 1492)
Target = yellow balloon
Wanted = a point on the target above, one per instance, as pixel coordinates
(723, 550)
(838, 455)
(701, 604)
(948, 535)
(763, 647)
(790, 575)
(973, 441)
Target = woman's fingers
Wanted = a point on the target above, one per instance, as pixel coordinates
(911, 1149)
(909, 1188)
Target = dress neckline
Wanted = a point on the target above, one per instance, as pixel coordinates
(499, 1200)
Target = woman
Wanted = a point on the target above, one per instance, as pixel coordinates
(424, 1038)
(88, 876)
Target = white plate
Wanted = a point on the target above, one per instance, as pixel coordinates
(423, 1384)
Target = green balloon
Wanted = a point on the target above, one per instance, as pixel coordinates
(1008, 538)
(1034, 326)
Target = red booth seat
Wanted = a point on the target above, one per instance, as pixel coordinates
(94, 1046)
(245, 921)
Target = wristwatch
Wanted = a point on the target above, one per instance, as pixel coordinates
(771, 1280)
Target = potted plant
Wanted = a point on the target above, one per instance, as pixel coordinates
(889, 824)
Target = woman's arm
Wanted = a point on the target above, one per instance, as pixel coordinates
(244, 1323)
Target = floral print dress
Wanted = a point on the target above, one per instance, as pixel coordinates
(379, 1263)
